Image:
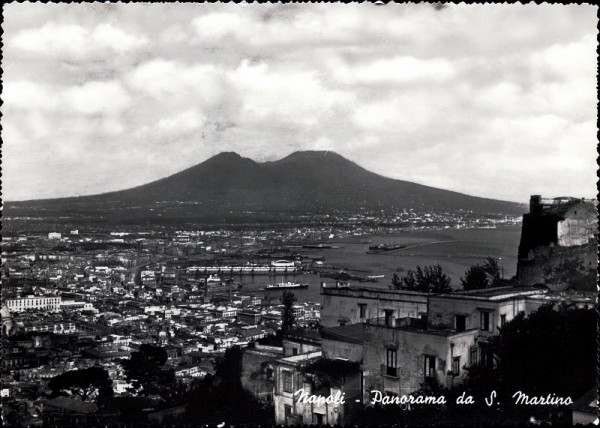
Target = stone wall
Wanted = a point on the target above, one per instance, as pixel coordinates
(412, 347)
(341, 305)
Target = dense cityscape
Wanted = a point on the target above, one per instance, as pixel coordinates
(77, 300)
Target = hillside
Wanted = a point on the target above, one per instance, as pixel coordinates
(303, 182)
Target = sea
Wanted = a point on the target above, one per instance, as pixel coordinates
(454, 249)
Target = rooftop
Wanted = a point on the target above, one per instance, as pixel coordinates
(302, 357)
(495, 294)
(353, 333)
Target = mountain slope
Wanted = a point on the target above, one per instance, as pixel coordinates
(314, 182)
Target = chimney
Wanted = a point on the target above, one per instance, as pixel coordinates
(535, 203)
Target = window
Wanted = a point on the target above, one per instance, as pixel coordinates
(461, 322)
(388, 316)
(456, 366)
(342, 323)
(362, 310)
(429, 366)
(485, 321)
(295, 351)
(287, 381)
(487, 356)
(391, 363)
(287, 410)
(502, 320)
(318, 418)
(473, 357)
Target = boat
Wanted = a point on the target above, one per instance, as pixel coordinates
(285, 285)
(375, 276)
(383, 248)
(213, 278)
(317, 246)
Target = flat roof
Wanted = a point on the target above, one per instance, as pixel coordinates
(497, 293)
(302, 357)
(353, 333)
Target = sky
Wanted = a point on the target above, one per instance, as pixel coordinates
(490, 100)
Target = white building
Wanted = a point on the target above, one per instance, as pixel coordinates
(48, 303)
(54, 235)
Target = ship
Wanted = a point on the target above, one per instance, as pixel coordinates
(375, 276)
(317, 246)
(285, 285)
(383, 248)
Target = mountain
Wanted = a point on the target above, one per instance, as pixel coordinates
(303, 182)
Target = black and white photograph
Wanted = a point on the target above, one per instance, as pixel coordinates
(292, 214)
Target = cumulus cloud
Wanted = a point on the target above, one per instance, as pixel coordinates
(491, 100)
(76, 41)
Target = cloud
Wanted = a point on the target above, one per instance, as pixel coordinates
(491, 100)
(75, 41)
(288, 95)
(89, 99)
(400, 70)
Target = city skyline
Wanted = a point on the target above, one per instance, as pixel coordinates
(494, 100)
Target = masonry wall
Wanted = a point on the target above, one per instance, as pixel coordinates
(333, 349)
(412, 347)
(579, 226)
(541, 261)
(443, 311)
(554, 235)
(257, 373)
(342, 305)
(300, 347)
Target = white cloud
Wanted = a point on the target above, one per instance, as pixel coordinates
(97, 97)
(76, 41)
(189, 120)
(400, 69)
(90, 98)
(163, 78)
(288, 95)
(493, 100)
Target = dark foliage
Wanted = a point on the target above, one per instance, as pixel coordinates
(430, 279)
(287, 317)
(222, 398)
(83, 384)
(482, 276)
(144, 369)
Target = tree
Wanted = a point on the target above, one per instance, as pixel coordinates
(222, 397)
(475, 278)
(144, 369)
(430, 279)
(560, 342)
(287, 317)
(85, 383)
(482, 276)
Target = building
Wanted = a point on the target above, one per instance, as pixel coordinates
(249, 317)
(559, 233)
(46, 303)
(54, 235)
(225, 312)
(258, 370)
(335, 387)
(486, 310)
(396, 355)
(73, 305)
(301, 341)
(356, 304)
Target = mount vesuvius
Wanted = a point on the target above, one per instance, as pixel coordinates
(304, 182)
